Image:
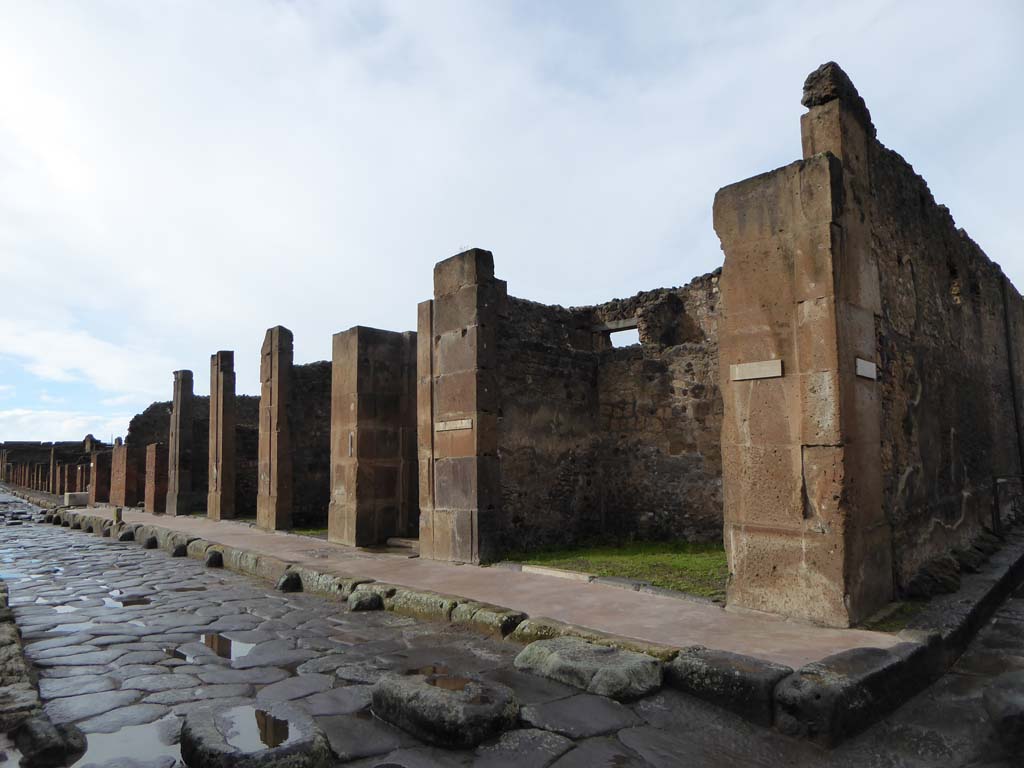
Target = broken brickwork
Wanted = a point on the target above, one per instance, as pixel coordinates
(374, 492)
(125, 463)
(155, 496)
(535, 431)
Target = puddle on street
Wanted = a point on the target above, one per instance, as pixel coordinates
(252, 730)
(186, 589)
(127, 602)
(448, 683)
(132, 742)
(432, 669)
(225, 648)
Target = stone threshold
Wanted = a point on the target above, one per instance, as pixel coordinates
(824, 701)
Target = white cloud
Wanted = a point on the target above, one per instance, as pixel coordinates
(29, 424)
(175, 177)
(6, 390)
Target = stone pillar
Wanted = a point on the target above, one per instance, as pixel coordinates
(462, 522)
(99, 487)
(156, 478)
(220, 502)
(274, 493)
(124, 476)
(51, 486)
(179, 451)
(373, 427)
(805, 532)
(58, 479)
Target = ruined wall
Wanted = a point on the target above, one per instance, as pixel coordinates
(309, 415)
(948, 410)
(247, 445)
(153, 426)
(605, 443)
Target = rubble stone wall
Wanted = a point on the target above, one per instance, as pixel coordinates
(309, 416)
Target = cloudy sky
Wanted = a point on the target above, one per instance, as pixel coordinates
(177, 176)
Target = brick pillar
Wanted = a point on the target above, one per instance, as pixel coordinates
(220, 502)
(274, 493)
(805, 531)
(124, 476)
(156, 478)
(461, 519)
(373, 423)
(179, 450)
(99, 487)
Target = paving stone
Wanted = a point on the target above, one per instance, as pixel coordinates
(527, 747)
(605, 752)
(579, 716)
(73, 686)
(59, 672)
(141, 657)
(295, 688)
(68, 709)
(362, 735)
(230, 701)
(134, 670)
(337, 701)
(115, 720)
(154, 683)
(529, 688)
(83, 659)
(58, 642)
(57, 653)
(214, 675)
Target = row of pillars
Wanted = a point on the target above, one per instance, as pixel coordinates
(51, 476)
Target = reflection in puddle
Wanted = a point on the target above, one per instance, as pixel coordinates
(253, 730)
(127, 602)
(433, 669)
(133, 742)
(225, 648)
(448, 683)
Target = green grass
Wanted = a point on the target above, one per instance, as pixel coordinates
(898, 618)
(699, 569)
(309, 531)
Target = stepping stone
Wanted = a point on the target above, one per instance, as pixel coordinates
(72, 708)
(580, 716)
(295, 688)
(256, 738)
(74, 686)
(525, 747)
(135, 714)
(357, 736)
(594, 668)
(445, 710)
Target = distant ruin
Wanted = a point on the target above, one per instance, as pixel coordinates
(840, 403)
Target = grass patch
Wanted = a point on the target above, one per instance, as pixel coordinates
(699, 569)
(320, 533)
(897, 618)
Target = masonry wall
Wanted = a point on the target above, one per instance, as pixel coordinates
(309, 414)
(949, 325)
(604, 443)
(247, 442)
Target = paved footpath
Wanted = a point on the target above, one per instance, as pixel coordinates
(126, 641)
(653, 618)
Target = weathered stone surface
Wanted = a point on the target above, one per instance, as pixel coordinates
(741, 684)
(487, 619)
(73, 708)
(1004, 704)
(42, 743)
(115, 720)
(601, 751)
(337, 701)
(524, 747)
(445, 710)
(206, 737)
(938, 576)
(579, 716)
(50, 688)
(597, 669)
(295, 688)
(364, 600)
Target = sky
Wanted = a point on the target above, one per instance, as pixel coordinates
(178, 176)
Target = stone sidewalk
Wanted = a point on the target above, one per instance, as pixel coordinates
(647, 617)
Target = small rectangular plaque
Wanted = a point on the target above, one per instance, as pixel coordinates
(765, 369)
(451, 426)
(866, 369)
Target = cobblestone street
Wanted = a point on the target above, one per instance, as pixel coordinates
(127, 641)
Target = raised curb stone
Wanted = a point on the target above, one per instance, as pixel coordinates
(598, 669)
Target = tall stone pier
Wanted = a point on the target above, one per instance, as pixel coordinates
(373, 437)
(460, 493)
(220, 501)
(155, 498)
(124, 475)
(179, 450)
(274, 495)
(99, 483)
(805, 531)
